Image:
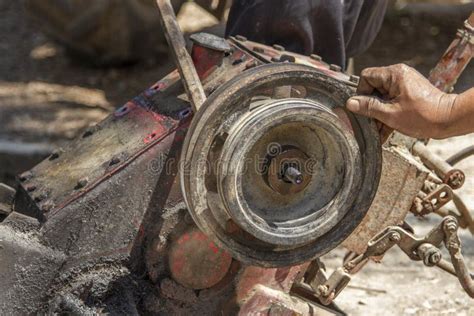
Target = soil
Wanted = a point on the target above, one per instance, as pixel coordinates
(47, 98)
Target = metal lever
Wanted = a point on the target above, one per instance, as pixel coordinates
(174, 37)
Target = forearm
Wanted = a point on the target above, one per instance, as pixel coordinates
(460, 120)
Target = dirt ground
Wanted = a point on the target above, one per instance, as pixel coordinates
(46, 99)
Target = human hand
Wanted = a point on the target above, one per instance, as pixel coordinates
(409, 103)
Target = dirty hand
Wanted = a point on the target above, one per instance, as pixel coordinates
(409, 103)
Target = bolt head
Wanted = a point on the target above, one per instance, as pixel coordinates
(82, 183)
(355, 79)
(316, 57)
(241, 38)
(451, 225)
(334, 67)
(395, 237)
(30, 187)
(114, 161)
(279, 47)
(26, 176)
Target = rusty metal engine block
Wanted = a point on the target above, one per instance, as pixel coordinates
(159, 210)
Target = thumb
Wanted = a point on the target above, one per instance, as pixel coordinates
(368, 106)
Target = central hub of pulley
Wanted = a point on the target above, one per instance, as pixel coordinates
(274, 168)
(286, 170)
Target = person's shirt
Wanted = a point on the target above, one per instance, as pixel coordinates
(334, 29)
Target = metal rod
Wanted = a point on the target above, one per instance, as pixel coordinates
(174, 36)
(455, 59)
(464, 211)
(463, 154)
(451, 176)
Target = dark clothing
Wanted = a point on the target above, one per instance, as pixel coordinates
(333, 29)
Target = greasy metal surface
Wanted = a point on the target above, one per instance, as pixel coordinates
(228, 104)
(175, 38)
(333, 168)
(104, 224)
(101, 152)
(111, 237)
(455, 59)
(271, 54)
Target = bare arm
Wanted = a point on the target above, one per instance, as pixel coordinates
(411, 104)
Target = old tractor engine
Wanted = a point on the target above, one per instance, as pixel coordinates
(215, 191)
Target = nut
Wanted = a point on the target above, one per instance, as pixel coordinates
(395, 237)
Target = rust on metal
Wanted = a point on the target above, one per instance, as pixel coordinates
(174, 36)
(402, 178)
(453, 177)
(455, 59)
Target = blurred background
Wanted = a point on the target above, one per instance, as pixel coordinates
(66, 64)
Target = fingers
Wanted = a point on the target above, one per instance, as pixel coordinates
(374, 79)
(386, 80)
(369, 106)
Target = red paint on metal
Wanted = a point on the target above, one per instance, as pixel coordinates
(280, 279)
(205, 60)
(213, 247)
(454, 60)
(158, 86)
(125, 109)
(196, 262)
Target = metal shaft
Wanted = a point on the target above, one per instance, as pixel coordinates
(455, 59)
(175, 39)
(449, 175)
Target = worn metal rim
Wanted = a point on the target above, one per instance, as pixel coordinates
(232, 184)
(222, 104)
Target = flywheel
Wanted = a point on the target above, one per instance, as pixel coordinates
(275, 170)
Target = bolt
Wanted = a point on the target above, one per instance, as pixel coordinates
(354, 79)
(251, 64)
(456, 179)
(30, 187)
(316, 57)
(322, 290)
(279, 48)
(26, 176)
(430, 254)
(434, 258)
(395, 237)
(81, 183)
(47, 207)
(40, 197)
(114, 161)
(334, 67)
(451, 225)
(88, 133)
(241, 38)
(238, 61)
(289, 58)
(55, 154)
(293, 175)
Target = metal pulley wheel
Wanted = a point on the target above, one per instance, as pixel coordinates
(275, 170)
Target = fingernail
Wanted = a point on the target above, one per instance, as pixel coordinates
(353, 105)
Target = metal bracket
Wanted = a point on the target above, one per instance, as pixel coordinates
(426, 249)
